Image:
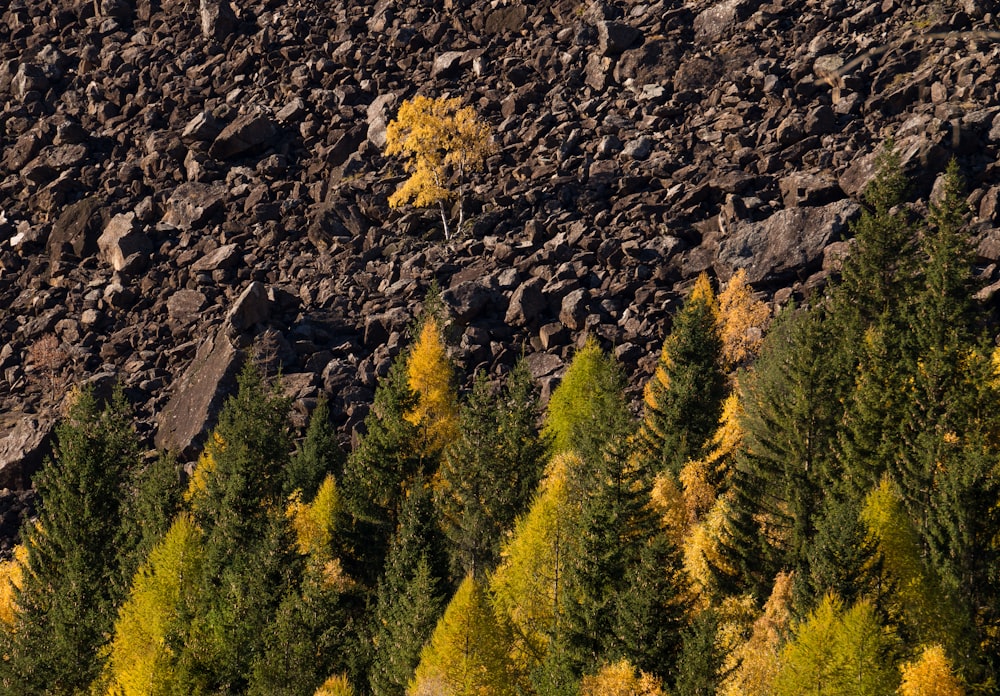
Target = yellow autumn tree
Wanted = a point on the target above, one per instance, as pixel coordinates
(742, 321)
(468, 653)
(11, 575)
(337, 685)
(752, 666)
(621, 679)
(930, 675)
(432, 378)
(526, 586)
(442, 142)
(314, 522)
(152, 622)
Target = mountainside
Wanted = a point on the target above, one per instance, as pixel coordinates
(182, 180)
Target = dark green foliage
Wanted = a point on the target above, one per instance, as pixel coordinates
(700, 659)
(791, 407)
(378, 471)
(650, 612)
(410, 596)
(250, 559)
(684, 397)
(312, 636)
(841, 557)
(75, 575)
(318, 455)
(489, 474)
(157, 496)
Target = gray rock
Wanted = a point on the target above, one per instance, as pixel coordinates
(123, 239)
(809, 189)
(184, 306)
(29, 78)
(378, 118)
(468, 300)
(574, 309)
(225, 256)
(446, 64)
(712, 24)
(251, 307)
(193, 204)
(613, 38)
(217, 19)
(506, 19)
(527, 304)
(197, 396)
(639, 149)
(23, 449)
(248, 132)
(75, 232)
(203, 128)
(790, 241)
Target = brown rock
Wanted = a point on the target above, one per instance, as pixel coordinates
(121, 240)
(246, 133)
(197, 396)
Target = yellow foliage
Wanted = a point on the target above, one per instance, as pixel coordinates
(621, 679)
(431, 376)
(314, 522)
(752, 666)
(203, 471)
(525, 586)
(336, 685)
(743, 321)
(930, 675)
(142, 653)
(11, 576)
(467, 654)
(703, 549)
(438, 138)
(667, 500)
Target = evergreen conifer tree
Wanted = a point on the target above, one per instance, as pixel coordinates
(319, 454)
(684, 397)
(488, 474)
(410, 594)
(74, 576)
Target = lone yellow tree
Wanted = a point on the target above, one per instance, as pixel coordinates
(441, 141)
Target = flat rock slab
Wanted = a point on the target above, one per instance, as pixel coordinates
(790, 240)
(23, 450)
(197, 396)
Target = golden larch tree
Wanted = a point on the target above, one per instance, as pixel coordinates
(432, 378)
(930, 675)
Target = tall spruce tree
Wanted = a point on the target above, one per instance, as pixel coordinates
(79, 560)
(488, 474)
(410, 594)
(318, 455)
(378, 472)
(250, 557)
(684, 397)
(791, 411)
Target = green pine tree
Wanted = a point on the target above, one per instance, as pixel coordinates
(684, 397)
(318, 455)
(79, 559)
(378, 472)
(410, 595)
(489, 473)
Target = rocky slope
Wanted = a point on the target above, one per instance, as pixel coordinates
(183, 178)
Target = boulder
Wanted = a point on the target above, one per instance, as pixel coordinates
(613, 38)
(75, 231)
(122, 241)
(197, 396)
(217, 19)
(787, 243)
(249, 132)
(714, 23)
(251, 307)
(192, 205)
(527, 304)
(23, 449)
